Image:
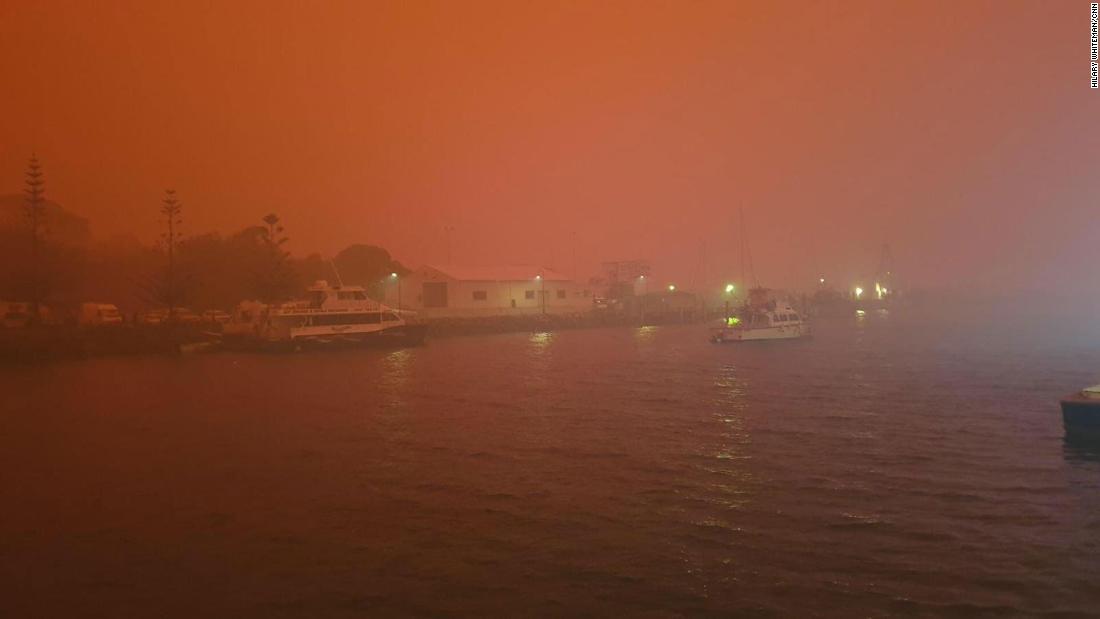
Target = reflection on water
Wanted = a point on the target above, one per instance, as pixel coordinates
(735, 489)
(645, 333)
(397, 373)
(1081, 450)
(540, 342)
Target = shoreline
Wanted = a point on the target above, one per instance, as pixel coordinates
(44, 344)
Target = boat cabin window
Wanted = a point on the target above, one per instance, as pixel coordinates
(781, 318)
(353, 295)
(794, 316)
(480, 295)
(316, 297)
(561, 294)
(328, 320)
(528, 294)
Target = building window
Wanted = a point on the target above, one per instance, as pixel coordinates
(480, 295)
(561, 294)
(529, 294)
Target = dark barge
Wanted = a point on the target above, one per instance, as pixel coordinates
(1081, 414)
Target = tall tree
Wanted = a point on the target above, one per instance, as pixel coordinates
(275, 282)
(172, 210)
(36, 216)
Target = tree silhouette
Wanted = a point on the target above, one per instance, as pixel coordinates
(275, 281)
(36, 217)
(168, 291)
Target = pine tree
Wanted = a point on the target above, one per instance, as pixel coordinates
(276, 280)
(36, 217)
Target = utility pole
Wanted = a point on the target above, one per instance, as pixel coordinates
(447, 230)
(394, 276)
(744, 282)
(574, 257)
(171, 210)
(543, 293)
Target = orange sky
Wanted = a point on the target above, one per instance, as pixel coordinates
(963, 133)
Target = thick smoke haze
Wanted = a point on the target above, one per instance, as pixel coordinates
(964, 134)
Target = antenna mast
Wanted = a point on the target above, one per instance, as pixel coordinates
(339, 282)
(744, 282)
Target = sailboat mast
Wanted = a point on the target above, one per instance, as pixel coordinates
(741, 211)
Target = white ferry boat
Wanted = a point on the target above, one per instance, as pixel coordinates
(331, 315)
(762, 320)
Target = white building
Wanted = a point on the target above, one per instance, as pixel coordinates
(464, 291)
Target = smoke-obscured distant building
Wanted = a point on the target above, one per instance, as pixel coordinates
(468, 291)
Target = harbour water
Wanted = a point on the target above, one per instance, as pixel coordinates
(891, 465)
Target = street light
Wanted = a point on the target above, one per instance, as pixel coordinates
(672, 287)
(542, 291)
(397, 279)
(729, 288)
(822, 280)
(859, 292)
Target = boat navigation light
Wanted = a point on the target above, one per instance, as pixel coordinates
(393, 275)
(672, 287)
(729, 288)
(859, 292)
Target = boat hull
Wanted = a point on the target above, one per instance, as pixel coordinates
(403, 336)
(786, 332)
(1081, 417)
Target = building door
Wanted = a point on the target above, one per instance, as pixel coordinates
(435, 294)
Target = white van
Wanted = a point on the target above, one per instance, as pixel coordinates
(96, 314)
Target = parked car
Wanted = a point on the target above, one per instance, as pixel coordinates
(17, 315)
(180, 315)
(605, 304)
(99, 314)
(216, 317)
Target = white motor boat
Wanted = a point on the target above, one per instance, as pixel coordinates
(762, 320)
(330, 315)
